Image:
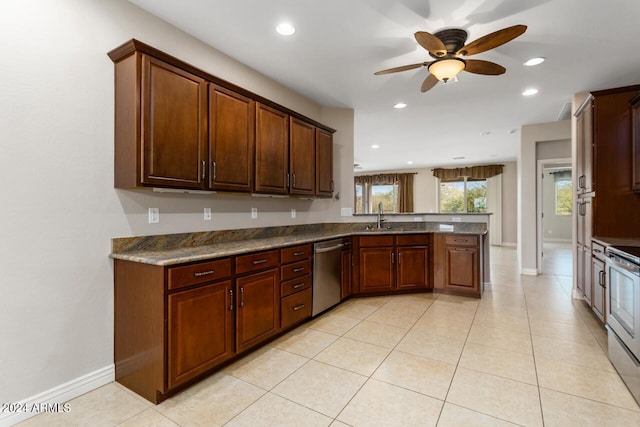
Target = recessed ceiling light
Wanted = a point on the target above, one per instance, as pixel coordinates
(534, 61)
(400, 105)
(375, 146)
(285, 29)
(410, 162)
(530, 92)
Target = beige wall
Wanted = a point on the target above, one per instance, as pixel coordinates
(60, 209)
(510, 204)
(530, 136)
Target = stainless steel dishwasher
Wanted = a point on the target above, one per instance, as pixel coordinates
(327, 275)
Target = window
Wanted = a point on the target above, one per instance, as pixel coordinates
(465, 196)
(368, 197)
(564, 196)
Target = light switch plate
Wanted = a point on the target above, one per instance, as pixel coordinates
(293, 213)
(154, 215)
(254, 213)
(207, 214)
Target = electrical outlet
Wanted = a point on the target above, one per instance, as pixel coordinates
(455, 219)
(254, 213)
(345, 212)
(293, 213)
(207, 214)
(154, 215)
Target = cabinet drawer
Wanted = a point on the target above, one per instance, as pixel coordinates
(598, 250)
(461, 240)
(296, 285)
(373, 241)
(298, 269)
(257, 261)
(202, 272)
(295, 308)
(296, 253)
(412, 239)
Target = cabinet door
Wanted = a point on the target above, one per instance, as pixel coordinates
(200, 330)
(272, 150)
(324, 163)
(174, 126)
(412, 268)
(258, 303)
(462, 268)
(347, 275)
(302, 152)
(589, 288)
(580, 269)
(231, 140)
(588, 169)
(598, 279)
(376, 269)
(635, 143)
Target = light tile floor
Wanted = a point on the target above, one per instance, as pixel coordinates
(525, 354)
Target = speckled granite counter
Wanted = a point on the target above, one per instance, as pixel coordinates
(617, 241)
(188, 247)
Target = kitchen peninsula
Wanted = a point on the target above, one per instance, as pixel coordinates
(185, 304)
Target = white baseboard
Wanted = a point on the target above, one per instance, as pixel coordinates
(550, 240)
(576, 294)
(509, 244)
(60, 394)
(529, 271)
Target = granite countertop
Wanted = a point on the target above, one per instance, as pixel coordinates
(617, 241)
(188, 247)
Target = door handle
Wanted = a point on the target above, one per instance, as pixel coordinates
(231, 299)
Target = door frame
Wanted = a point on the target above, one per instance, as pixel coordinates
(539, 208)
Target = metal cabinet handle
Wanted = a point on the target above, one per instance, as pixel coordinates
(393, 257)
(203, 166)
(297, 270)
(597, 251)
(298, 307)
(601, 278)
(231, 299)
(298, 285)
(259, 261)
(461, 240)
(294, 179)
(203, 273)
(288, 180)
(215, 170)
(241, 297)
(298, 253)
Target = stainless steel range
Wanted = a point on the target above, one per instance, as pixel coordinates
(623, 313)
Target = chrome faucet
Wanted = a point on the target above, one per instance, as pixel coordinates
(380, 213)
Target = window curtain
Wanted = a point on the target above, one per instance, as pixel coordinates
(405, 186)
(564, 175)
(476, 172)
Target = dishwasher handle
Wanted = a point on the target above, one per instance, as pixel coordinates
(329, 249)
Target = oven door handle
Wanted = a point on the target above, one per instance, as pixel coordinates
(615, 264)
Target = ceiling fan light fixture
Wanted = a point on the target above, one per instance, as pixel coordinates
(535, 61)
(285, 29)
(400, 105)
(446, 69)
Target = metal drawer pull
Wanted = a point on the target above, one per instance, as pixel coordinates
(259, 261)
(461, 240)
(297, 270)
(298, 307)
(231, 299)
(298, 253)
(597, 251)
(203, 166)
(203, 273)
(215, 170)
(299, 285)
(241, 297)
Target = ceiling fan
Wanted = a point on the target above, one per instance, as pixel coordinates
(448, 48)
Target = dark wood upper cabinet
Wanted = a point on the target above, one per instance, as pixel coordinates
(231, 140)
(302, 149)
(179, 127)
(324, 163)
(272, 150)
(635, 143)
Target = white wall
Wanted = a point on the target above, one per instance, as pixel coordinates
(530, 136)
(510, 204)
(60, 209)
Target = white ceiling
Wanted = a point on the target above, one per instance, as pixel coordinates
(339, 44)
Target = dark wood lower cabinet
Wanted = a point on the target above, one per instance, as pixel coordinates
(257, 301)
(461, 268)
(376, 270)
(412, 268)
(200, 330)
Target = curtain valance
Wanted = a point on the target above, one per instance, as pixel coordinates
(474, 172)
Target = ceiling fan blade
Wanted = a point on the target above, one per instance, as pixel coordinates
(478, 66)
(430, 42)
(403, 68)
(429, 82)
(492, 40)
